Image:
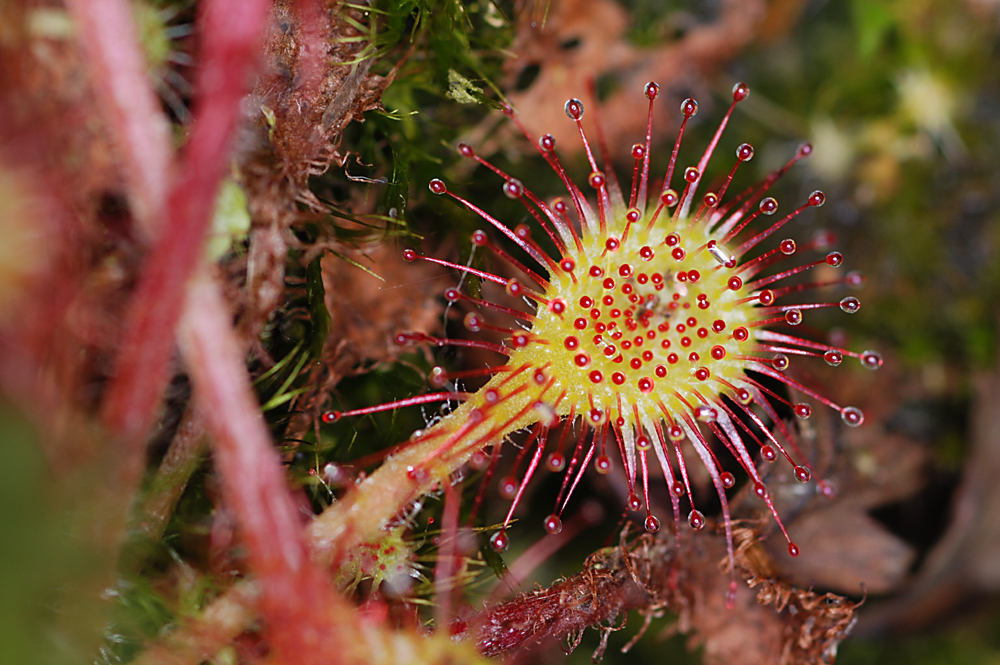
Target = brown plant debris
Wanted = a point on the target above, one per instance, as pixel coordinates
(581, 41)
(779, 624)
(301, 105)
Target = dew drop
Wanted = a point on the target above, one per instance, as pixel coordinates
(802, 474)
(833, 358)
(556, 462)
(744, 396)
(651, 90)
(740, 334)
(769, 206)
(760, 490)
(553, 524)
(718, 352)
(513, 189)
(817, 198)
(417, 474)
(633, 502)
(780, 362)
(740, 91)
(718, 325)
(852, 416)
(574, 109)
(696, 519)
(767, 452)
(689, 107)
(499, 541)
(691, 174)
(676, 434)
(793, 549)
(479, 460)
(734, 284)
(547, 142)
(409, 255)
(652, 524)
(728, 480)
(793, 317)
(744, 152)
(669, 198)
(596, 179)
(437, 186)
(638, 151)
(834, 259)
(508, 488)
(850, 304)
(547, 415)
(643, 443)
(803, 410)
(871, 359)
(766, 297)
(437, 377)
(645, 385)
(473, 322)
(331, 416)
(602, 464)
(787, 246)
(465, 150)
(705, 413)
(677, 488)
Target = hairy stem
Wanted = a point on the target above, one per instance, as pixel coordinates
(363, 515)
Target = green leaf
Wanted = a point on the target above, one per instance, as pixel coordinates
(318, 314)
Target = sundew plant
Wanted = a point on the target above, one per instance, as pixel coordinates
(652, 327)
(277, 424)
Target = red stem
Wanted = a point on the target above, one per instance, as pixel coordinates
(132, 111)
(303, 616)
(231, 31)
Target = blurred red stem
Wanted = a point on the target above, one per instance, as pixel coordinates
(297, 602)
(132, 111)
(231, 31)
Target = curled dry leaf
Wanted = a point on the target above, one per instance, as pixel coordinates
(962, 565)
(583, 41)
(366, 313)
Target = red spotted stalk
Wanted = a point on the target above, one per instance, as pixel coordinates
(641, 329)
